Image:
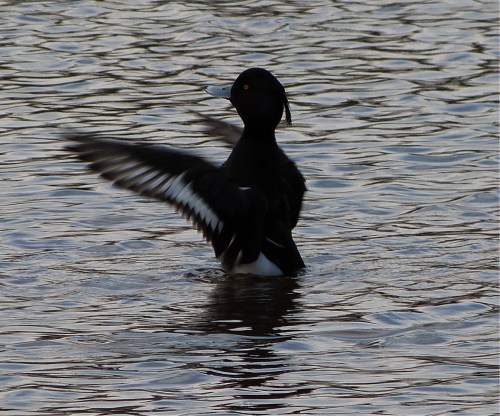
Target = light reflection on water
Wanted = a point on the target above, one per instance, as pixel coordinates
(112, 304)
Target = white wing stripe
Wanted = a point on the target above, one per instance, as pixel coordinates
(184, 196)
(144, 178)
(157, 182)
(195, 202)
(214, 222)
(135, 172)
(201, 210)
(122, 171)
(114, 162)
(163, 190)
(126, 173)
(175, 187)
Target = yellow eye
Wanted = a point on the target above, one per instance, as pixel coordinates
(246, 87)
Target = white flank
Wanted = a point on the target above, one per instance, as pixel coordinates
(260, 267)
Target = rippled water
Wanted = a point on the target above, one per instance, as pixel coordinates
(112, 304)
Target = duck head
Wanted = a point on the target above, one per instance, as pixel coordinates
(259, 98)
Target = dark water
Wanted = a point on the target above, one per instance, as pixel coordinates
(112, 304)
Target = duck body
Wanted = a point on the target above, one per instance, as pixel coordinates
(246, 208)
(272, 188)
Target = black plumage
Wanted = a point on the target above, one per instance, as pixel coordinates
(248, 207)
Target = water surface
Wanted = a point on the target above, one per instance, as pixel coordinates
(113, 304)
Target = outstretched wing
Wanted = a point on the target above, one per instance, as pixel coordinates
(228, 132)
(199, 190)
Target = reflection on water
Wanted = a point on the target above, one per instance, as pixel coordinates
(112, 304)
(255, 309)
(253, 305)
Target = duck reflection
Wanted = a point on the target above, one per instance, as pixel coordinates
(254, 311)
(256, 306)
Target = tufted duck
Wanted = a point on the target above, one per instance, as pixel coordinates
(248, 207)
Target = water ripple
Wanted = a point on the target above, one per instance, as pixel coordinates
(113, 304)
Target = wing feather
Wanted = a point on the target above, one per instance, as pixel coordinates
(198, 189)
(230, 216)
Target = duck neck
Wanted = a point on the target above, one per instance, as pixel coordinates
(259, 134)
